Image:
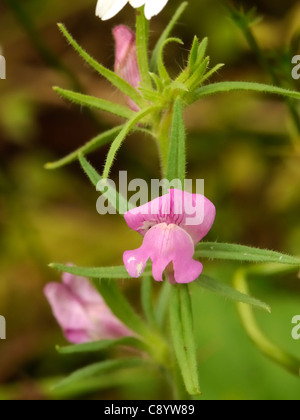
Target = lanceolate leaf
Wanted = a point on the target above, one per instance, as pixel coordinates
(222, 251)
(98, 369)
(163, 73)
(97, 346)
(182, 337)
(222, 87)
(113, 78)
(128, 127)
(147, 300)
(97, 272)
(166, 34)
(161, 306)
(96, 103)
(94, 144)
(89, 170)
(229, 292)
(177, 152)
(108, 190)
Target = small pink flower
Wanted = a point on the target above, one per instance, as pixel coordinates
(171, 225)
(81, 311)
(126, 64)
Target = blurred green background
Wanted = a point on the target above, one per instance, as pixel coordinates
(244, 146)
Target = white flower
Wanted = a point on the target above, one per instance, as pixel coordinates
(106, 9)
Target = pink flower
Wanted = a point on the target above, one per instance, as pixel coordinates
(171, 226)
(126, 64)
(81, 311)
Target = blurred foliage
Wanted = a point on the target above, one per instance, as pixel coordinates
(244, 146)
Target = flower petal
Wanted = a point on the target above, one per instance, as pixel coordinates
(165, 244)
(137, 3)
(67, 310)
(106, 9)
(77, 336)
(82, 289)
(192, 212)
(126, 64)
(153, 7)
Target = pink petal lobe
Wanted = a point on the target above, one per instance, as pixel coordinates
(165, 244)
(82, 289)
(67, 310)
(77, 336)
(192, 212)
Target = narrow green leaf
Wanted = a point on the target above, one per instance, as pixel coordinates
(230, 293)
(99, 369)
(211, 72)
(157, 81)
(183, 339)
(202, 51)
(222, 251)
(193, 56)
(177, 152)
(128, 127)
(163, 73)
(112, 77)
(166, 34)
(107, 189)
(188, 333)
(151, 95)
(196, 60)
(224, 87)
(147, 300)
(98, 272)
(78, 389)
(97, 346)
(96, 103)
(94, 144)
(89, 170)
(197, 75)
(162, 303)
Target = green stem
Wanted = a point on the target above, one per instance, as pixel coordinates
(181, 321)
(142, 37)
(269, 349)
(162, 134)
